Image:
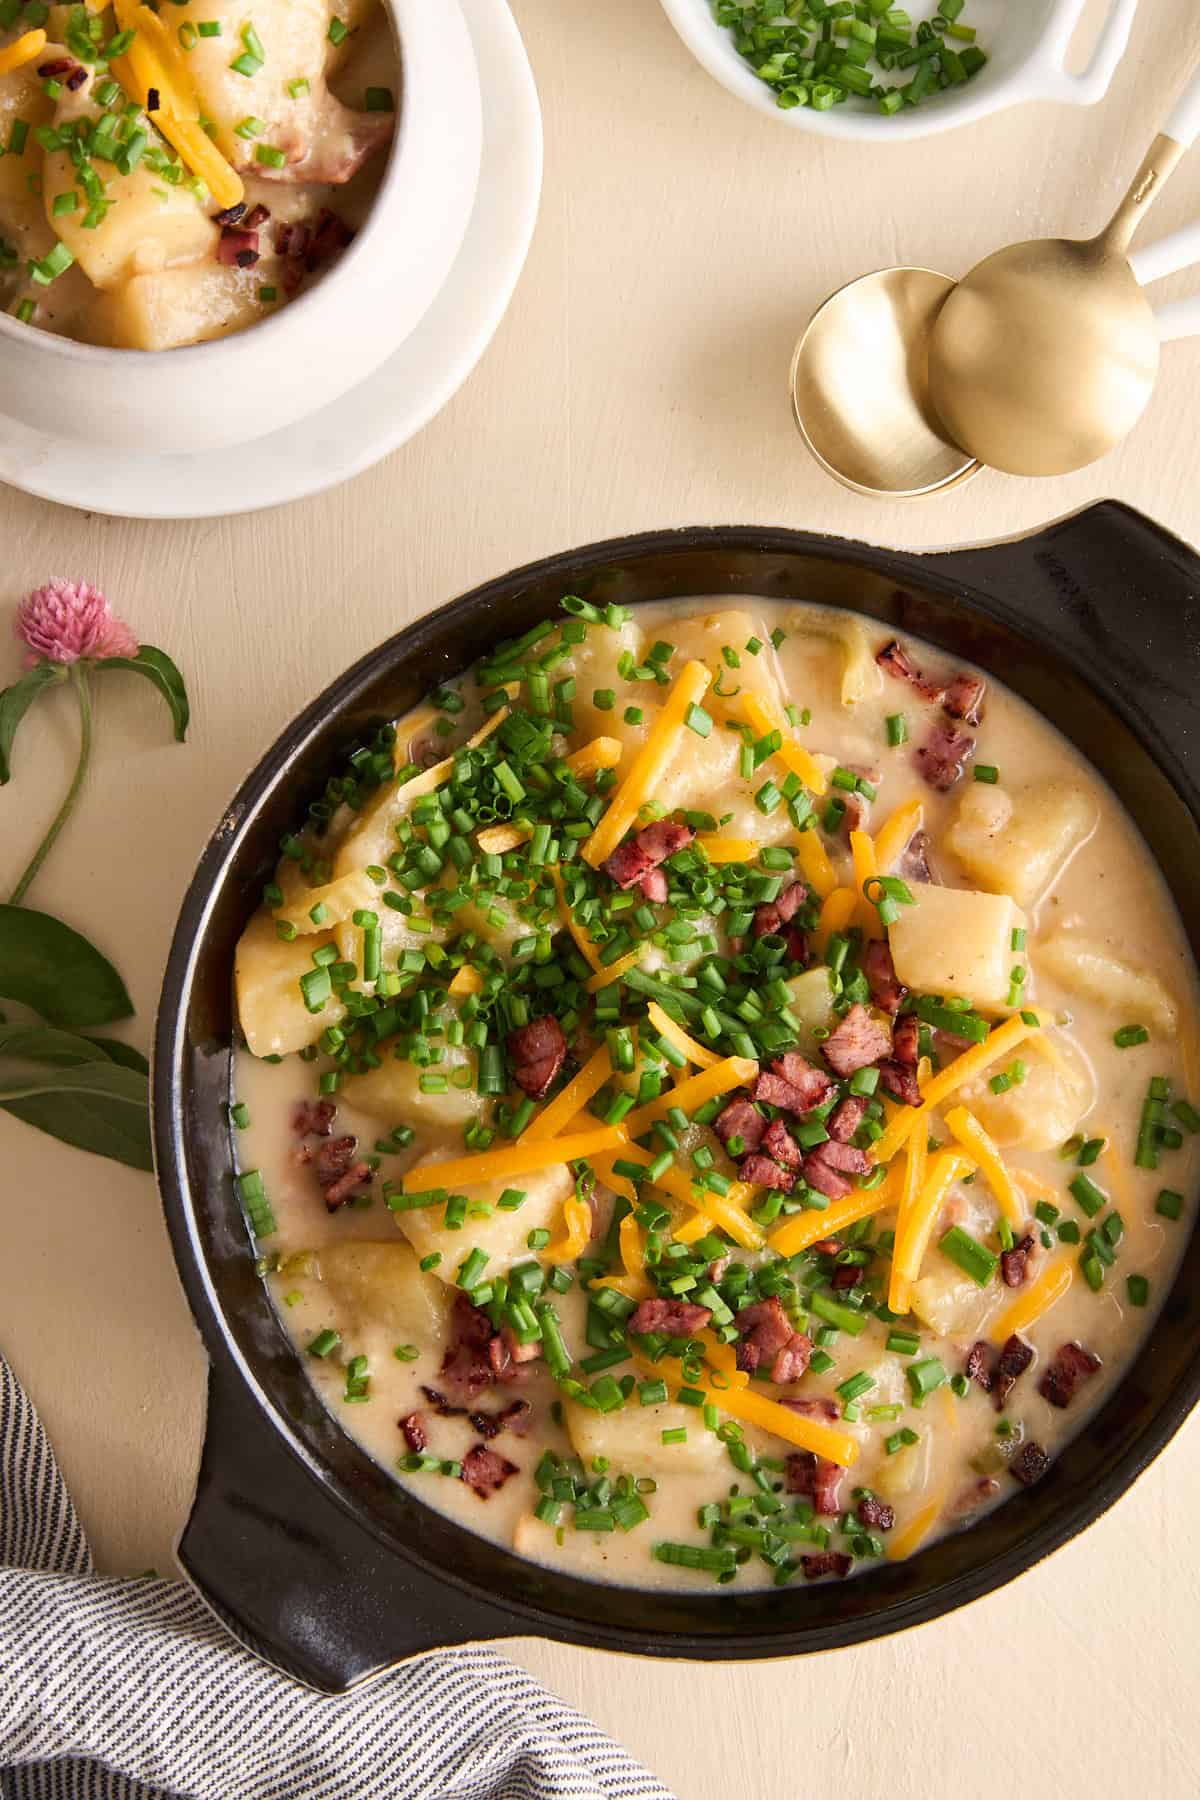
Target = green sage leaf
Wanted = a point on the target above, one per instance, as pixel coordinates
(124, 1054)
(158, 668)
(15, 702)
(96, 1106)
(43, 1044)
(47, 966)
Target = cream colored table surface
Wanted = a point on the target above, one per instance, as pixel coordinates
(637, 381)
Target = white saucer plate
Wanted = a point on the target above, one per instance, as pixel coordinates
(375, 418)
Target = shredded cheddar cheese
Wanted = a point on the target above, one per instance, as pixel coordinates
(911, 1183)
(815, 865)
(582, 941)
(466, 980)
(836, 913)
(915, 1226)
(152, 62)
(16, 55)
(689, 689)
(521, 1158)
(764, 719)
(604, 977)
(963, 1125)
(909, 1537)
(720, 849)
(866, 867)
(601, 753)
(664, 1024)
(729, 1072)
(494, 840)
(947, 1081)
(725, 1210)
(892, 837)
(633, 1254)
(693, 1229)
(431, 779)
(574, 1097)
(807, 1434)
(1036, 1300)
(807, 1228)
(577, 1217)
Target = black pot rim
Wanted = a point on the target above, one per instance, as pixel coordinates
(936, 572)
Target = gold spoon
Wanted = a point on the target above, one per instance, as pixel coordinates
(1045, 355)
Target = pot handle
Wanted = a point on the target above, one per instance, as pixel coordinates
(1055, 81)
(1111, 590)
(292, 1576)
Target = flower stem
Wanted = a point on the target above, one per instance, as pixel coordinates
(81, 677)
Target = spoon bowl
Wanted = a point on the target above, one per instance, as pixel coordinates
(859, 386)
(1044, 357)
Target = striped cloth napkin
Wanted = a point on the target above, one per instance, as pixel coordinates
(112, 1689)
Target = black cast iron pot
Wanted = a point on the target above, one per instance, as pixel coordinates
(301, 1543)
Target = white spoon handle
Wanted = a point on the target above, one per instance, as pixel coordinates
(1178, 318)
(1184, 122)
(1177, 251)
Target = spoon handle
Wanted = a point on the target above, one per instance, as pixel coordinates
(1178, 135)
(1179, 250)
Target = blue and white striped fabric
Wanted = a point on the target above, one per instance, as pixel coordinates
(128, 1690)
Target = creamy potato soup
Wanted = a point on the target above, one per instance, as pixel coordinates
(172, 176)
(718, 1094)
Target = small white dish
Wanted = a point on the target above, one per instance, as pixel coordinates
(358, 430)
(275, 374)
(1027, 47)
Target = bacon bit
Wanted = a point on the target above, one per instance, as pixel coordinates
(796, 947)
(537, 1052)
(821, 1175)
(1072, 1364)
(489, 1425)
(767, 1335)
(793, 1360)
(816, 1477)
(827, 1247)
(76, 79)
(972, 1498)
(485, 1471)
(330, 235)
(233, 215)
(238, 249)
(793, 1083)
(847, 1275)
(906, 1040)
(846, 1118)
(964, 698)
(518, 1352)
(893, 658)
(632, 861)
(674, 1318)
(415, 1434)
(943, 757)
(1029, 1464)
(153, 100)
(978, 1365)
(779, 1144)
(773, 913)
(855, 1042)
(256, 219)
(469, 1364)
(290, 240)
(339, 1174)
(61, 65)
(1014, 1263)
(762, 1171)
(313, 1118)
(880, 971)
(741, 1118)
(654, 886)
(826, 1562)
(442, 1406)
(716, 1270)
(1012, 1363)
(876, 1513)
(813, 1408)
(914, 863)
(901, 1083)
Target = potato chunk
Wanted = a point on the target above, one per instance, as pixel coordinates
(270, 1004)
(335, 902)
(382, 1285)
(171, 307)
(393, 1091)
(1019, 844)
(631, 1439)
(812, 1003)
(1042, 1111)
(949, 1302)
(704, 637)
(954, 942)
(593, 663)
(1088, 966)
(502, 1234)
(148, 226)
